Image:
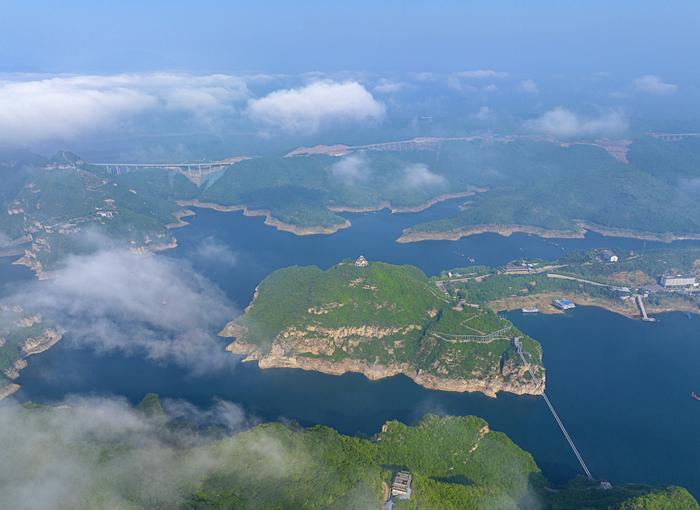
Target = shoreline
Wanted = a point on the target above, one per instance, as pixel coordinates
(543, 302)
(488, 387)
(409, 209)
(180, 219)
(411, 236)
(30, 347)
(269, 219)
(8, 390)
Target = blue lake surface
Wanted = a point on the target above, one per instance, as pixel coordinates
(260, 249)
(621, 386)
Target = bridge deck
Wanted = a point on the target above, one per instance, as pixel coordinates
(558, 420)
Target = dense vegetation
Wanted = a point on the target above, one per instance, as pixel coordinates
(54, 200)
(549, 186)
(382, 315)
(147, 460)
(519, 181)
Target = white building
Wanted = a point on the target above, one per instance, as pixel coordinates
(678, 281)
(609, 256)
(361, 262)
(401, 487)
(563, 304)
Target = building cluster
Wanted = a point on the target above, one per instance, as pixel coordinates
(521, 267)
(401, 486)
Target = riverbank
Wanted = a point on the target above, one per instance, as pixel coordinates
(269, 219)
(8, 390)
(579, 232)
(628, 308)
(411, 236)
(410, 209)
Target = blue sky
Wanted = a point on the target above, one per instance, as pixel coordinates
(90, 74)
(72, 36)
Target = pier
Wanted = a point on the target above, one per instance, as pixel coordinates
(640, 303)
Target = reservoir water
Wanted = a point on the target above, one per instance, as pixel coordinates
(260, 249)
(621, 386)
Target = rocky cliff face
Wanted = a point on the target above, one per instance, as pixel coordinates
(294, 349)
(12, 372)
(42, 342)
(7, 390)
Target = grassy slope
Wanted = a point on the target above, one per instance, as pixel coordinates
(385, 296)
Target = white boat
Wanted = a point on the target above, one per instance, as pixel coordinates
(530, 309)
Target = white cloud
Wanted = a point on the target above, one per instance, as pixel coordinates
(306, 108)
(213, 251)
(54, 458)
(419, 176)
(483, 113)
(454, 83)
(64, 107)
(146, 305)
(352, 169)
(385, 86)
(425, 77)
(528, 86)
(652, 84)
(565, 123)
(481, 74)
(223, 413)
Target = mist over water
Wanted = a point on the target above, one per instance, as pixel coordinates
(118, 87)
(596, 360)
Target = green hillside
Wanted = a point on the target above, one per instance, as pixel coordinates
(146, 460)
(381, 317)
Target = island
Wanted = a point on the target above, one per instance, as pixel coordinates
(382, 320)
(444, 332)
